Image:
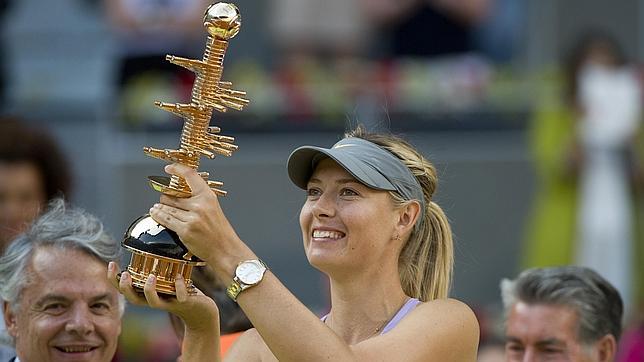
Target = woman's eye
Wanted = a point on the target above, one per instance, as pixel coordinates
(348, 192)
(313, 192)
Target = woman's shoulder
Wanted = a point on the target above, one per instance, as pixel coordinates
(448, 308)
(442, 329)
(450, 317)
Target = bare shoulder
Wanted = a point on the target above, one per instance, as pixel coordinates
(448, 315)
(440, 330)
(250, 347)
(446, 323)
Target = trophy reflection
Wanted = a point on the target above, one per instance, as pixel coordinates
(156, 249)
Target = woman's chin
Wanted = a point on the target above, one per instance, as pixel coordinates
(323, 261)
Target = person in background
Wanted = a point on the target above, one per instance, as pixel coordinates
(145, 31)
(33, 171)
(370, 224)
(586, 139)
(57, 303)
(565, 313)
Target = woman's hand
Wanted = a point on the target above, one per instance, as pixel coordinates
(201, 224)
(198, 311)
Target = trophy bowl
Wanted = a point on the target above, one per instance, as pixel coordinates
(157, 250)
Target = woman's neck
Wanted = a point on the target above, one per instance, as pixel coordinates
(361, 306)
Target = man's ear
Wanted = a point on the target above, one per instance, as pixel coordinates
(606, 348)
(9, 319)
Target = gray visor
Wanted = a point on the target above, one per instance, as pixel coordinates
(367, 162)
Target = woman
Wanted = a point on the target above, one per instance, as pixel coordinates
(369, 223)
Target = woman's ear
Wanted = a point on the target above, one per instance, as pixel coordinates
(408, 216)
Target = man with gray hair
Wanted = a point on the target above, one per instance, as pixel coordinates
(565, 313)
(57, 302)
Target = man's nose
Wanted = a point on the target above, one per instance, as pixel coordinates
(80, 321)
(530, 356)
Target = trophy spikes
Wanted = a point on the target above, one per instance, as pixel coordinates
(155, 249)
(209, 93)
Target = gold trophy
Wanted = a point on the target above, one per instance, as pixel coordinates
(156, 249)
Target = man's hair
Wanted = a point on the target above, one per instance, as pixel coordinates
(597, 303)
(63, 228)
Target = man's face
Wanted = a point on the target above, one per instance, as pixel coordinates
(68, 311)
(544, 333)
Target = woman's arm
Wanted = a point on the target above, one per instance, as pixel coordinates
(445, 330)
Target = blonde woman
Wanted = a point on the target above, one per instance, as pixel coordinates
(368, 223)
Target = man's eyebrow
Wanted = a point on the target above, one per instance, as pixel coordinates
(104, 296)
(48, 298)
(51, 298)
(550, 342)
(511, 339)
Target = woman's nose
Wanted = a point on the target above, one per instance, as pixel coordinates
(324, 206)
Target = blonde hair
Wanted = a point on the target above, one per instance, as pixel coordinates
(426, 261)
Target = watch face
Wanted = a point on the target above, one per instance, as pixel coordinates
(250, 272)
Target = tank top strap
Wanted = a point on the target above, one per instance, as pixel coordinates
(404, 310)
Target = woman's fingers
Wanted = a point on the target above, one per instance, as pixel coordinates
(112, 274)
(181, 289)
(151, 295)
(170, 217)
(123, 283)
(125, 286)
(197, 184)
(177, 213)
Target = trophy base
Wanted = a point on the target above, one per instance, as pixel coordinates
(143, 264)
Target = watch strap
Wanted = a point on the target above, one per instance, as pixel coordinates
(234, 289)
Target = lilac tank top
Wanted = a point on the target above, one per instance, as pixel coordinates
(406, 308)
(402, 312)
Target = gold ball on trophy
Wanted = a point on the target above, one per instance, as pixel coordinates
(222, 20)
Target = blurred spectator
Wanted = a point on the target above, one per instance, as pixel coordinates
(430, 28)
(562, 313)
(314, 28)
(33, 171)
(146, 31)
(584, 145)
(425, 28)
